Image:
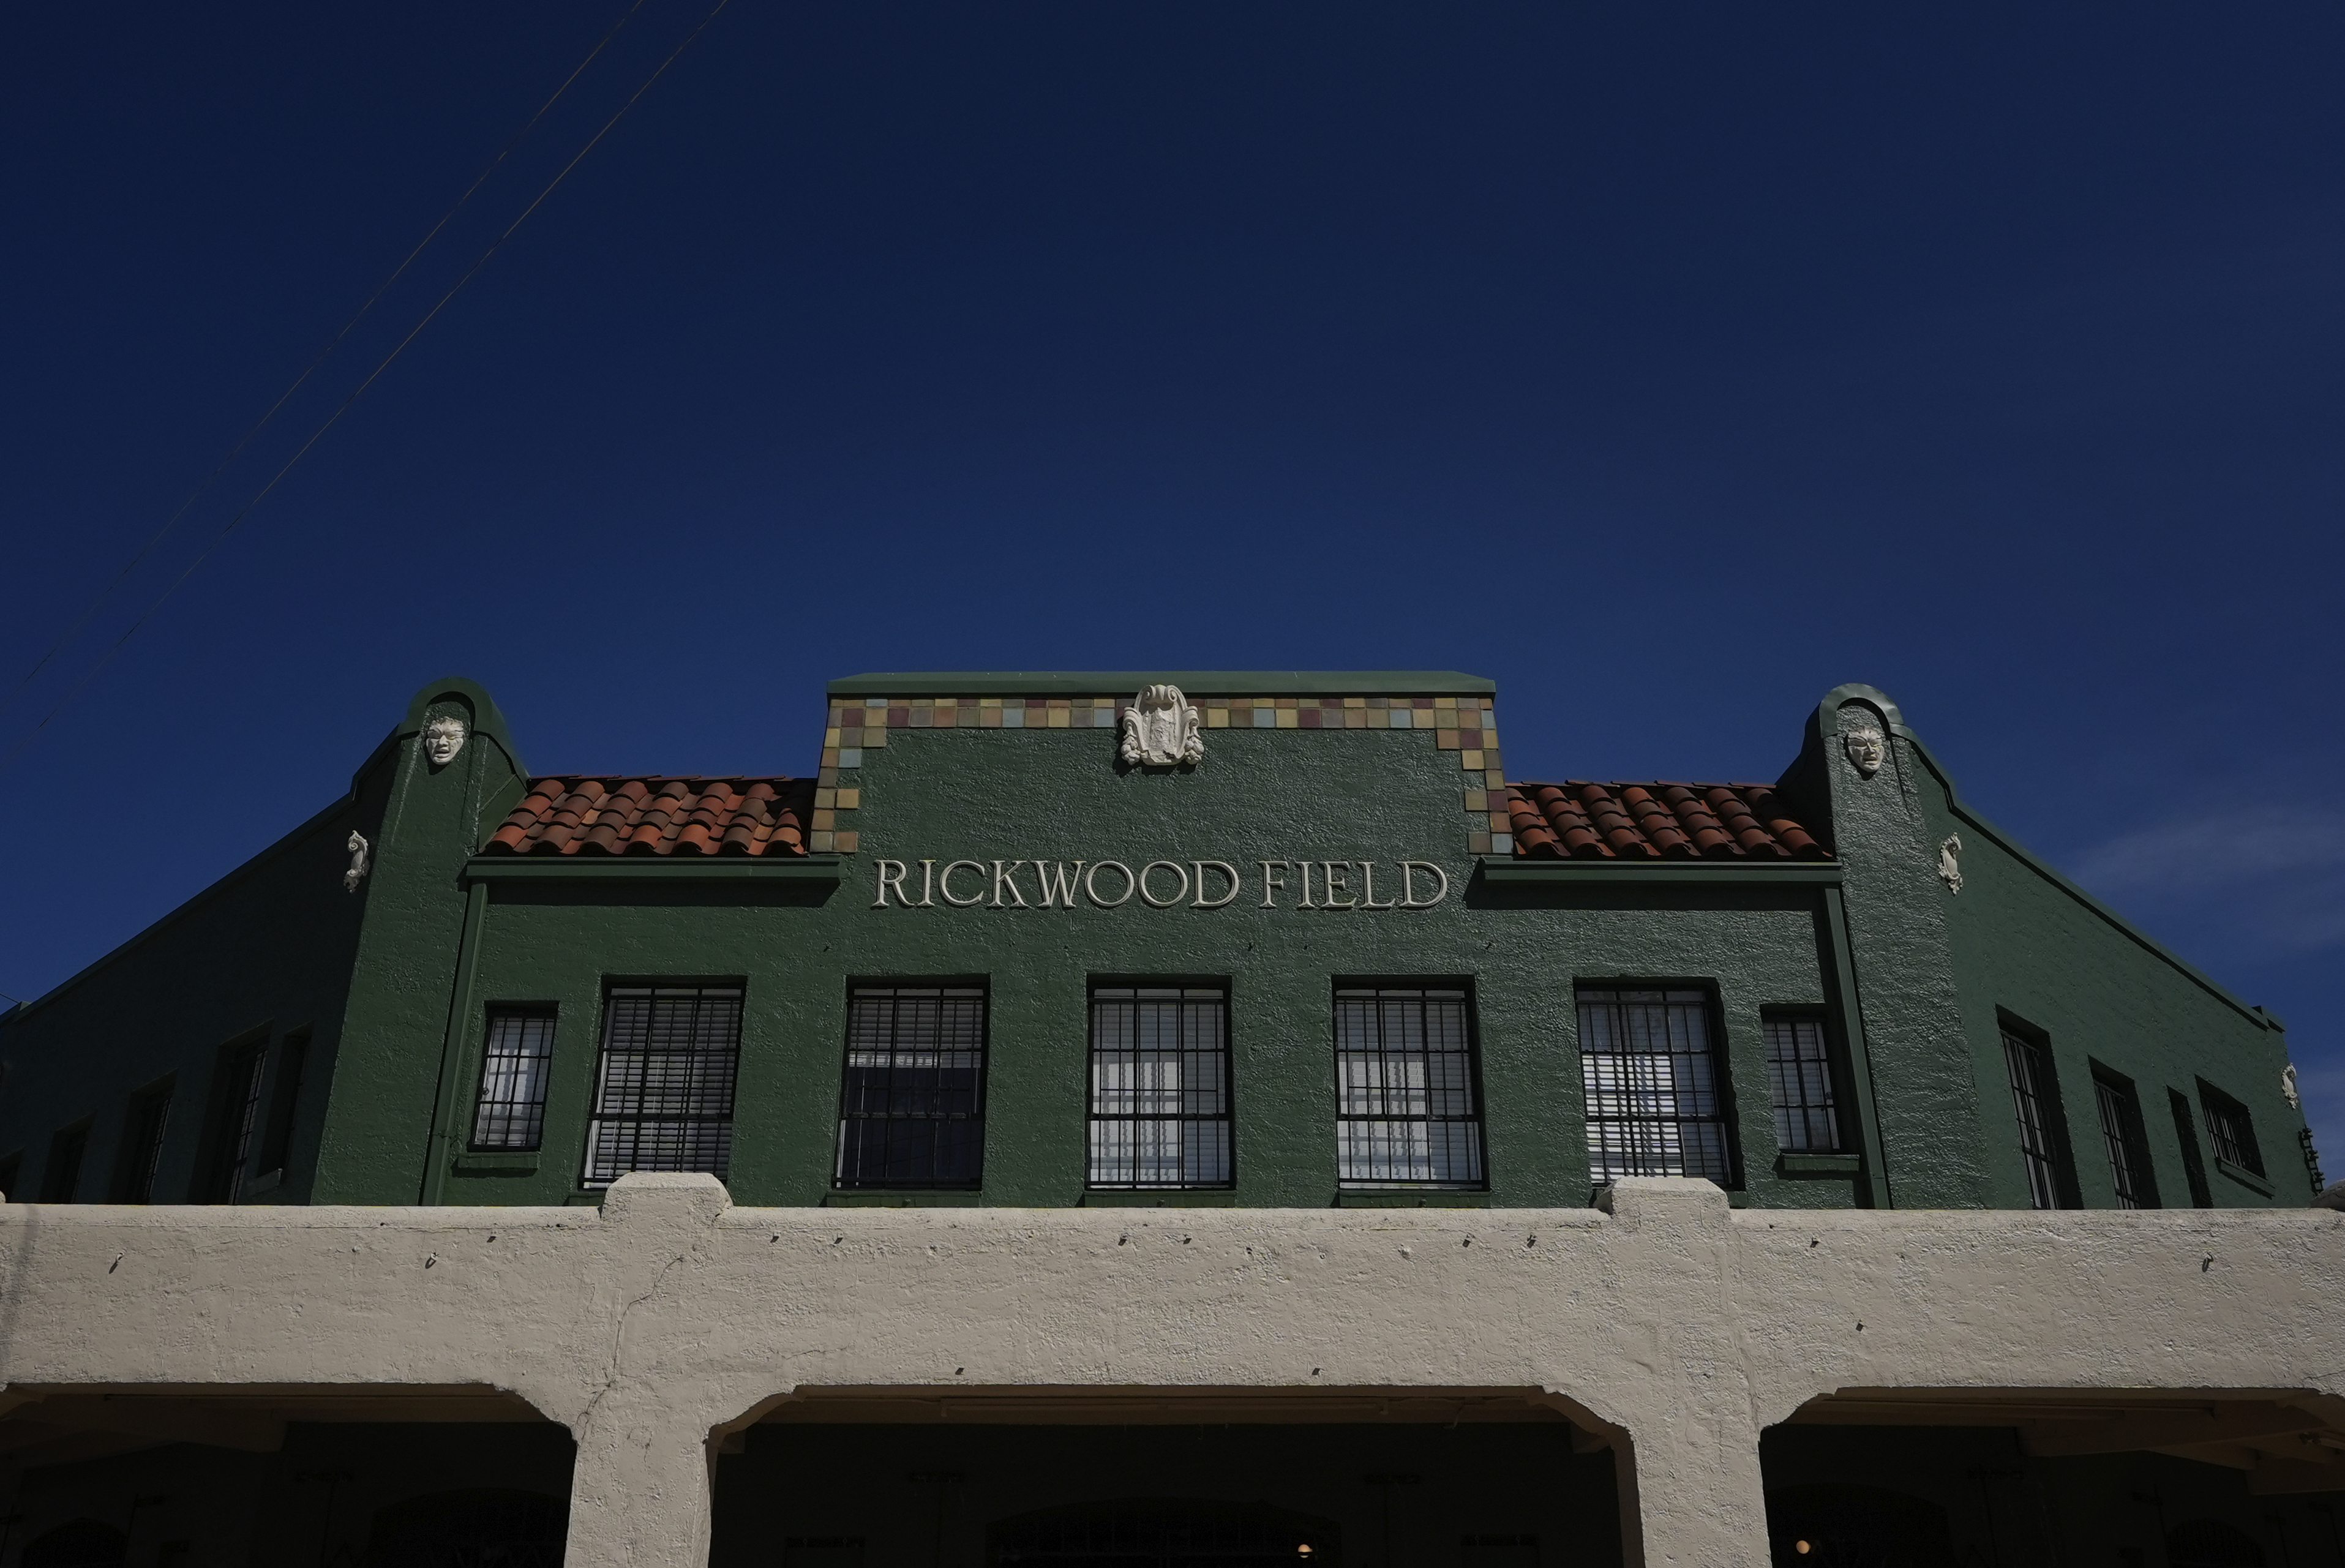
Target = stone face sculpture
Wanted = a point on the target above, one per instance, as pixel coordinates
(1867, 748)
(1950, 866)
(1161, 730)
(443, 737)
(356, 873)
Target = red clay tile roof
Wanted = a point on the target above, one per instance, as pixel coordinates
(1579, 821)
(597, 814)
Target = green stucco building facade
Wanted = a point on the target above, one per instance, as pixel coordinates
(1275, 939)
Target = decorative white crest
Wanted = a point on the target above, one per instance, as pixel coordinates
(2288, 1087)
(1866, 747)
(1950, 867)
(1161, 729)
(444, 737)
(356, 873)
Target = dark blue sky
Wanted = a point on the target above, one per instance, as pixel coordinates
(1668, 364)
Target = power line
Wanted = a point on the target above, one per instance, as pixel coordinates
(303, 451)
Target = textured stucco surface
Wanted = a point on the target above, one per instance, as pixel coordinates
(670, 1313)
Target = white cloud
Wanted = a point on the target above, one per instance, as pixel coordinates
(2235, 846)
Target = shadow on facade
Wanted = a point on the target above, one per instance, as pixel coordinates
(231, 1476)
(1955, 1477)
(1190, 1479)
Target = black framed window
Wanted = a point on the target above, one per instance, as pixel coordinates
(2032, 1103)
(236, 1116)
(1408, 1107)
(2123, 1141)
(1654, 1088)
(911, 1109)
(1160, 1087)
(664, 1085)
(2230, 1129)
(143, 1127)
(516, 1064)
(1800, 1084)
(62, 1178)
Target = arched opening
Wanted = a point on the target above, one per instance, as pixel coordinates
(1839, 1526)
(475, 1529)
(1164, 1533)
(84, 1543)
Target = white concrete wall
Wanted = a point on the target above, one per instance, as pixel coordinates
(669, 1316)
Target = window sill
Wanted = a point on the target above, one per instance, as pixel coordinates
(1792, 1165)
(496, 1164)
(891, 1198)
(1162, 1197)
(1411, 1198)
(2244, 1176)
(267, 1181)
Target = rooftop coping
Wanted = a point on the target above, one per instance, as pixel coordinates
(1230, 682)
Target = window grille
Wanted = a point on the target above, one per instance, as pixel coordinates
(1159, 1089)
(2230, 1129)
(2121, 1138)
(142, 1145)
(240, 1111)
(63, 1176)
(911, 1106)
(510, 1110)
(1800, 1085)
(2031, 1100)
(664, 1087)
(1651, 1078)
(1406, 1101)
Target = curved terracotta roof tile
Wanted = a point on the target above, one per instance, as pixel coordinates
(1579, 819)
(603, 814)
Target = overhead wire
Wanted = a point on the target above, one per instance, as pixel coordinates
(228, 528)
(312, 368)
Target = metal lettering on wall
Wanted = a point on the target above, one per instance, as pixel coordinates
(1159, 884)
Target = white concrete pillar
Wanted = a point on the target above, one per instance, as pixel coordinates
(640, 1493)
(641, 1489)
(1691, 1491)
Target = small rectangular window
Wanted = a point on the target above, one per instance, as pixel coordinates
(2229, 1129)
(2123, 1141)
(143, 1127)
(1160, 1087)
(62, 1177)
(1654, 1091)
(2031, 1100)
(2194, 1162)
(235, 1117)
(516, 1064)
(911, 1110)
(1800, 1085)
(1406, 1111)
(663, 1086)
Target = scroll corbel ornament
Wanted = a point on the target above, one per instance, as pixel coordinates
(1950, 866)
(356, 873)
(1161, 729)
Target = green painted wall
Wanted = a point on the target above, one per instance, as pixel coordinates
(263, 953)
(426, 949)
(988, 794)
